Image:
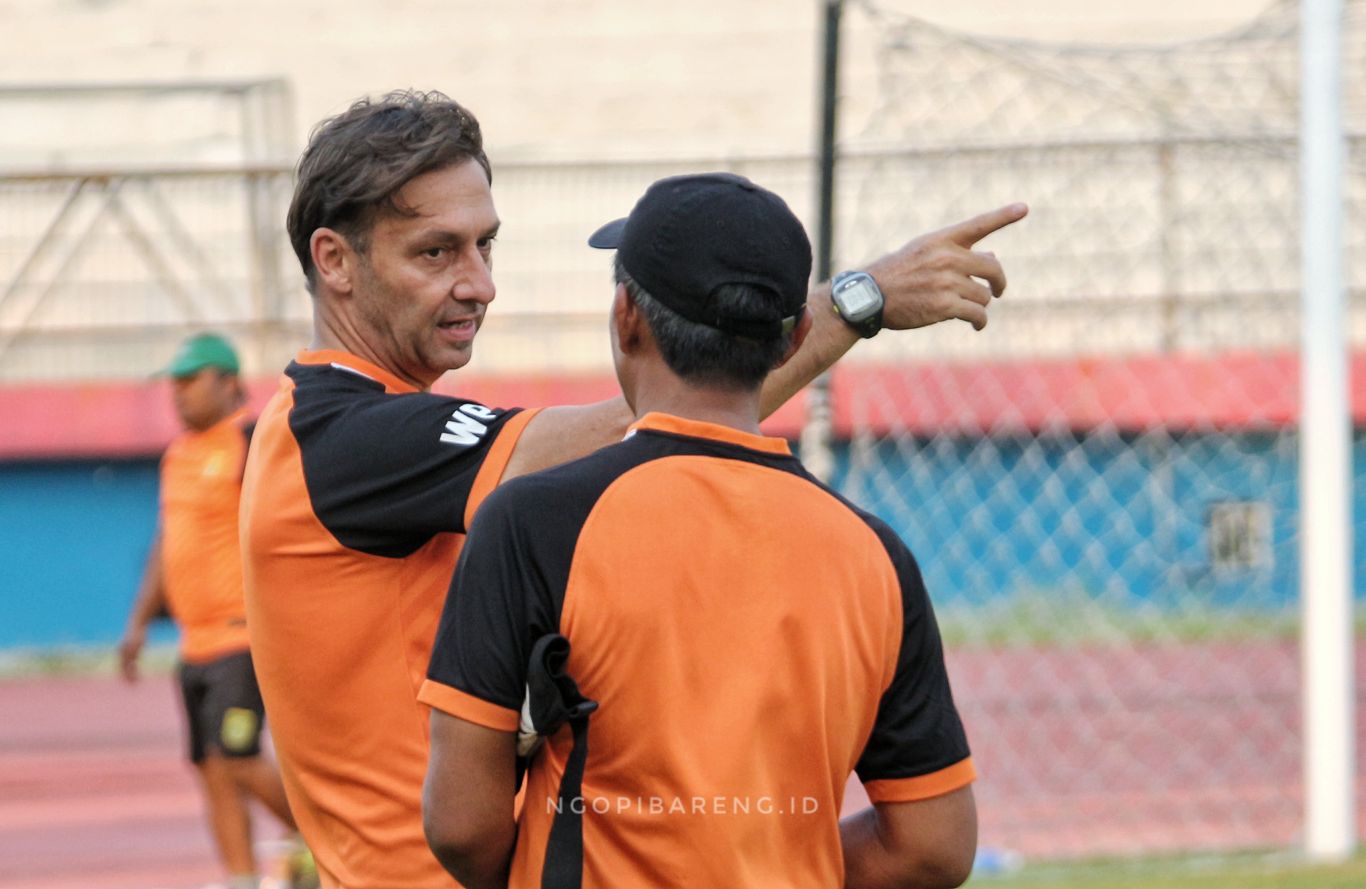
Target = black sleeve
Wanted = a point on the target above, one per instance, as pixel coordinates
(918, 730)
(502, 599)
(386, 472)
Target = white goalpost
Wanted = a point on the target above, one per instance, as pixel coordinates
(1325, 457)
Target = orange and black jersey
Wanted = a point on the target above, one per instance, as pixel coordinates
(750, 636)
(201, 559)
(357, 493)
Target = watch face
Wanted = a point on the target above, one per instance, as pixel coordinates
(857, 298)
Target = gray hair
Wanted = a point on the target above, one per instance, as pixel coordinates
(704, 355)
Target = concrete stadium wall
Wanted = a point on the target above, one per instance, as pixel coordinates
(591, 78)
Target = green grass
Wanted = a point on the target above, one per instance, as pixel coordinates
(156, 660)
(1272, 871)
(1075, 617)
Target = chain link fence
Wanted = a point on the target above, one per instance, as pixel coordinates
(1102, 486)
(102, 272)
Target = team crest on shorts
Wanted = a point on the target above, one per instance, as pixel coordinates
(239, 729)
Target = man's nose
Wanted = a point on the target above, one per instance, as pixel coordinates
(476, 282)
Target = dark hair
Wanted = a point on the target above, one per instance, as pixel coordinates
(704, 355)
(356, 163)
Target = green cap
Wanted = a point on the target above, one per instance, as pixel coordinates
(201, 351)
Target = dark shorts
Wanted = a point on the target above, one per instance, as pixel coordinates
(223, 707)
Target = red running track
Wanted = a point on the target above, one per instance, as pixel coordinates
(1085, 751)
(95, 792)
(1141, 749)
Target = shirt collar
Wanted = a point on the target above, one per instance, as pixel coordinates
(355, 364)
(660, 422)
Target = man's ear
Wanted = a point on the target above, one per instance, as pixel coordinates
(798, 337)
(629, 322)
(334, 260)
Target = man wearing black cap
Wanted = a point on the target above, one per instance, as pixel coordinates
(726, 638)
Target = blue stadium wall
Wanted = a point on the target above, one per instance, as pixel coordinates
(1006, 517)
(73, 535)
(73, 539)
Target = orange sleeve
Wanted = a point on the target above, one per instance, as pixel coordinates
(491, 471)
(905, 790)
(467, 707)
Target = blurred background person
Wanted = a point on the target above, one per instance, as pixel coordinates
(194, 573)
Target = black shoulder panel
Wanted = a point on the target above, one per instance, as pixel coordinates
(385, 472)
(509, 585)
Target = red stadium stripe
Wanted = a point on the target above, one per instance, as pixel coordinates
(1236, 391)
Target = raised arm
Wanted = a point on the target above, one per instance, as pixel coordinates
(559, 434)
(936, 277)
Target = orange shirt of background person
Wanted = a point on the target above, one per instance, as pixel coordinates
(194, 572)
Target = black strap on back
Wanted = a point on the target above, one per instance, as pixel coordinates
(553, 699)
(564, 850)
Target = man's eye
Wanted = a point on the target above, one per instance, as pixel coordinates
(487, 243)
(433, 252)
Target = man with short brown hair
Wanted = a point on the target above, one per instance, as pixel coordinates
(194, 572)
(361, 482)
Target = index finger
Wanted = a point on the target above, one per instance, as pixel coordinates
(970, 231)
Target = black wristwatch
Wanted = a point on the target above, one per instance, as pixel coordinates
(858, 301)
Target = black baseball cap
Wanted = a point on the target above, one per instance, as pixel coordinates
(690, 235)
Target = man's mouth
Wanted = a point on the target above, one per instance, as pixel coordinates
(463, 329)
